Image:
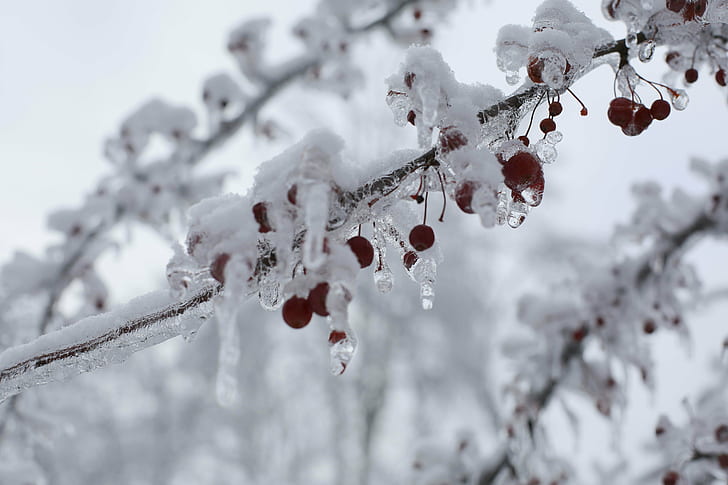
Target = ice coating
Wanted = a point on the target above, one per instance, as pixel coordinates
(103, 339)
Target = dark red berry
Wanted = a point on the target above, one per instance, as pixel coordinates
(464, 196)
(691, 75)
(317, 299)
(297, 312)
(422, 237)
(723, 460)
(720, 77)
(521, 170)
(721, 433)
(362, 249)
(555, 108)
(620, 111)
(409, 259)
(217, 268)
(260, 212)
(547, 125)
(675, 5)
(417, 14)
(535, 69)
(641, 119)
(660, 109)
(524, 139)
(659, 431)
(336, 336)
(292, 194)
(670, 478)
(411, 117)
(649, 327)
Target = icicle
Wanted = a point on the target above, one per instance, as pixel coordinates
(679, 98)
(269, 293)
(517, 214)
(425, 271)
(501, 211)
(546, 151)
(383, 278)
(342, 340)
(316, 209)
(226, 385)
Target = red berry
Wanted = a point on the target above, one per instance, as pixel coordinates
(555, 108)
(723, 460)
(297, 312)
(362, 249)
(521, 170)
(660, 109)
(535, 69)
(659, 431)
(409, 259)
(411, 116)
(217, 268)
(317, 299)
(260, 212)
(670, 478)
(524, 139)
(292, 194)
(649, 327)
(620, 111)
(464, 196)
(641, 119)
(675, 5)
(691, 75)
(422, 237)
(579, 334)
(720, 77)
(547, 125)
(336, 336)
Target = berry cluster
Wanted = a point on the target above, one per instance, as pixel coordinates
(634, 117)
(523, 174)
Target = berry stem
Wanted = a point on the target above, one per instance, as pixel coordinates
(584, 109)
(444, 197)
(424, 218)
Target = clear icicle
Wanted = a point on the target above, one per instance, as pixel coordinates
(269, 293)
(517, 214)
(425, 271)
(501, 212)
(316, 210)
(383, 277)
(342, 340)
(342, 346)
(546, 151)
(679, 98)
(226, 385)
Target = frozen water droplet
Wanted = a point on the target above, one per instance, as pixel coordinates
(383, 278)
(631, 39)
(269, 293)
(501, 211)
(646, 51)
(532, 196)
(400, 106)
(546, 151)
(517, 214)
(554, 137)
(513, 77)
(342, 346)
(679, 98)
